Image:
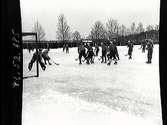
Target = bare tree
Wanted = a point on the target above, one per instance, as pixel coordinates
(122, 30)
(133, 28)
(127, 31)
(140, 28)
(112, 28)
(39, 30)
(63, 29)
(98, 31)
(149, 28)
(89, 36)
(156, 27)
(151, 35)
(156, 36)
(76, 35)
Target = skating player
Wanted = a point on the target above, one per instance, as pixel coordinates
(130, 49)
(81, 52)
(46, 57)
(89, 54)
(112, 53)
(116, 50)
(34, 58)
(67, 48)
(96, 49)
(150, 47)
(104, 52)
(143, 46)
(117, 54)
(64, 46)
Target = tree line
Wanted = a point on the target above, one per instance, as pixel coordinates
(111, 30)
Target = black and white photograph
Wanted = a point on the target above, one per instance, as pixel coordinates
(88, 62)
(98, 62)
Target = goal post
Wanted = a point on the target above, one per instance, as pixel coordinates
(24, 34)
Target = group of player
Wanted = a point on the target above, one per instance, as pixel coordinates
(40, 56)
(108, 53)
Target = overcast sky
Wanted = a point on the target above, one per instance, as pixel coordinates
(81, 14)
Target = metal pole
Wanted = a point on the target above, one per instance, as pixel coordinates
(37, 55)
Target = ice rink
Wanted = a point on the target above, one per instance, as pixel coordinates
(71, 94)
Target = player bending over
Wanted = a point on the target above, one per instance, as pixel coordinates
(46, 57)
(34, 58)
(90, 54)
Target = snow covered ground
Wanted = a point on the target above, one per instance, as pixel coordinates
(72, 94)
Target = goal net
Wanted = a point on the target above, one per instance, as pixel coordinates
(30, 46)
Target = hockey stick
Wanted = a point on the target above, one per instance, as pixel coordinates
(54, 62)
